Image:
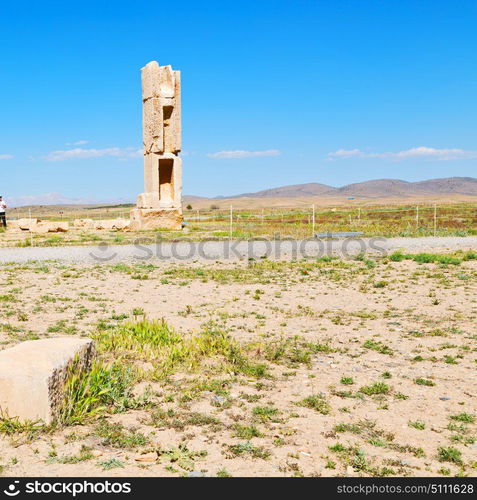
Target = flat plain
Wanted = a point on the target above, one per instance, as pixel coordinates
(322, 367)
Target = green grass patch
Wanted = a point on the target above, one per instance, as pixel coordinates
(378, 347)
(449, 454)
(376, 388)
(317, 403)
(424, 381)
(464, 417)
(155, 341)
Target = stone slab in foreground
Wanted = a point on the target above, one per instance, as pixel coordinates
(33, 375)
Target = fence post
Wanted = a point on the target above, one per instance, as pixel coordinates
(435, 219)
(231, 221)
(417, 218)
(313, 222)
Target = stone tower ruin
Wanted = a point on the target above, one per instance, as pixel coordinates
(160, 206)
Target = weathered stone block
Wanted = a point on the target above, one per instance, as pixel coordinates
(166, 81)
(83, 223)
(26, 224)
(152, 117)
(33, 375)
(150, 77)
(112, 224)
(143, 219)
(50, 227)
(148, 200)
(39, 226)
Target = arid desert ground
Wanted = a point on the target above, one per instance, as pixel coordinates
(323, 367)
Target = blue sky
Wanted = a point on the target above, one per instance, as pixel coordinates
(274, 93)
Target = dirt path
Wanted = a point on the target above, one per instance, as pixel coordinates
(234, 250)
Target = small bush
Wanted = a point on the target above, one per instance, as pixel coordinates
(248, 448)
(378, 347)
(417, 424)
(464, 417)
(424, 381)
(118, 436)
(91, 394)
(449, 454)
(347, 381)
(376, 388)
(317, 403)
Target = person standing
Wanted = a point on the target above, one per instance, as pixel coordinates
(3, 217)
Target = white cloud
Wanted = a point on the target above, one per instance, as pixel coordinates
(438, 154)
(346, 153)
(77, 143)
(244, 154)
(6, 157)
(421, 152)
(81, 153)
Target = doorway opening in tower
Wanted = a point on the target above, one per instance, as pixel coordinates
(166, 181)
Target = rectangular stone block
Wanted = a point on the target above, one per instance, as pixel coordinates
(51, 227)
(166, 81)
(143, 219)
(112, 224)
(83, 223)
(26, 224)
(150, 79)
(33, 376)
(157, 81)
(148, 200)
(151, 173)
(152, 126)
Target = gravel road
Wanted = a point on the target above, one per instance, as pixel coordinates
(233, 250)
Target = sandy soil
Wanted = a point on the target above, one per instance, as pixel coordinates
(393, 323)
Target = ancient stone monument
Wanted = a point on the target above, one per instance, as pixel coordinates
(160, 206)
(33, 376)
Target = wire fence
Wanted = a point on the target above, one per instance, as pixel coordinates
(403, 220)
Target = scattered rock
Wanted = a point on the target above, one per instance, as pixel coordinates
(146, 457)
(113, 224)
(444, 398)
(25, 224)
(51, 227)
(83, 223)
(39, 226)
(218, 400)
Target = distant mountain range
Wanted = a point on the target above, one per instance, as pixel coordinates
(298, 194)
(380, 188)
